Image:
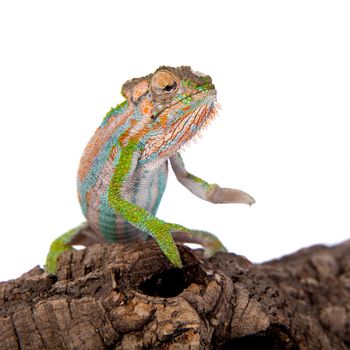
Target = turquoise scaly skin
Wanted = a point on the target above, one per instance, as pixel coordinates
(123, 170)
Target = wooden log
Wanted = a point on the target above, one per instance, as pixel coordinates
(127, 296)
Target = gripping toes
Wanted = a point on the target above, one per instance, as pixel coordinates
(208, 241)
(216, 246)
(168, 246)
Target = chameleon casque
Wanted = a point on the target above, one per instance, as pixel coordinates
(123, 170)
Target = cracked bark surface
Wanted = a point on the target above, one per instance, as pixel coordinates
(114, 296)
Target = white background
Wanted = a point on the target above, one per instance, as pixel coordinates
(282, 71)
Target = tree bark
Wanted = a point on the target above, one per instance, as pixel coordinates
(127, 296)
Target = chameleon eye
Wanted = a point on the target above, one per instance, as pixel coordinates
(164, 83)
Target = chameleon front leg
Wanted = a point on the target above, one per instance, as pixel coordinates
(143, 220)
(210, 192)
(163, 232)
(137, 216)
(160, 230)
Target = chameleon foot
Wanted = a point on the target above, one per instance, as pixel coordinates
(208, 241)
(58, 246)
(230, 195)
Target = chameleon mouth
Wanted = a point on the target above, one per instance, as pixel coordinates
(208, 91)
(186, 127)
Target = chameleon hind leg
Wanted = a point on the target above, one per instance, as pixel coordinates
(208, 241)
(80, 235)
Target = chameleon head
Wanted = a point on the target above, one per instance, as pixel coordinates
(172, 105)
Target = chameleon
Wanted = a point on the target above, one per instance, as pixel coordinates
(123, 170)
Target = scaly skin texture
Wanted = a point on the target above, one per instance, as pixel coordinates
(123, 170)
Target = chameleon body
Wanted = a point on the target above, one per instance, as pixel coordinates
(123, 170)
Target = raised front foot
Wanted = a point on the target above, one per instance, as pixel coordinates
(229, 195)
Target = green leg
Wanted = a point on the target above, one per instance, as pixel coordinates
(58, 246)
(163, 232)
(140, 218)
(160, 230)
